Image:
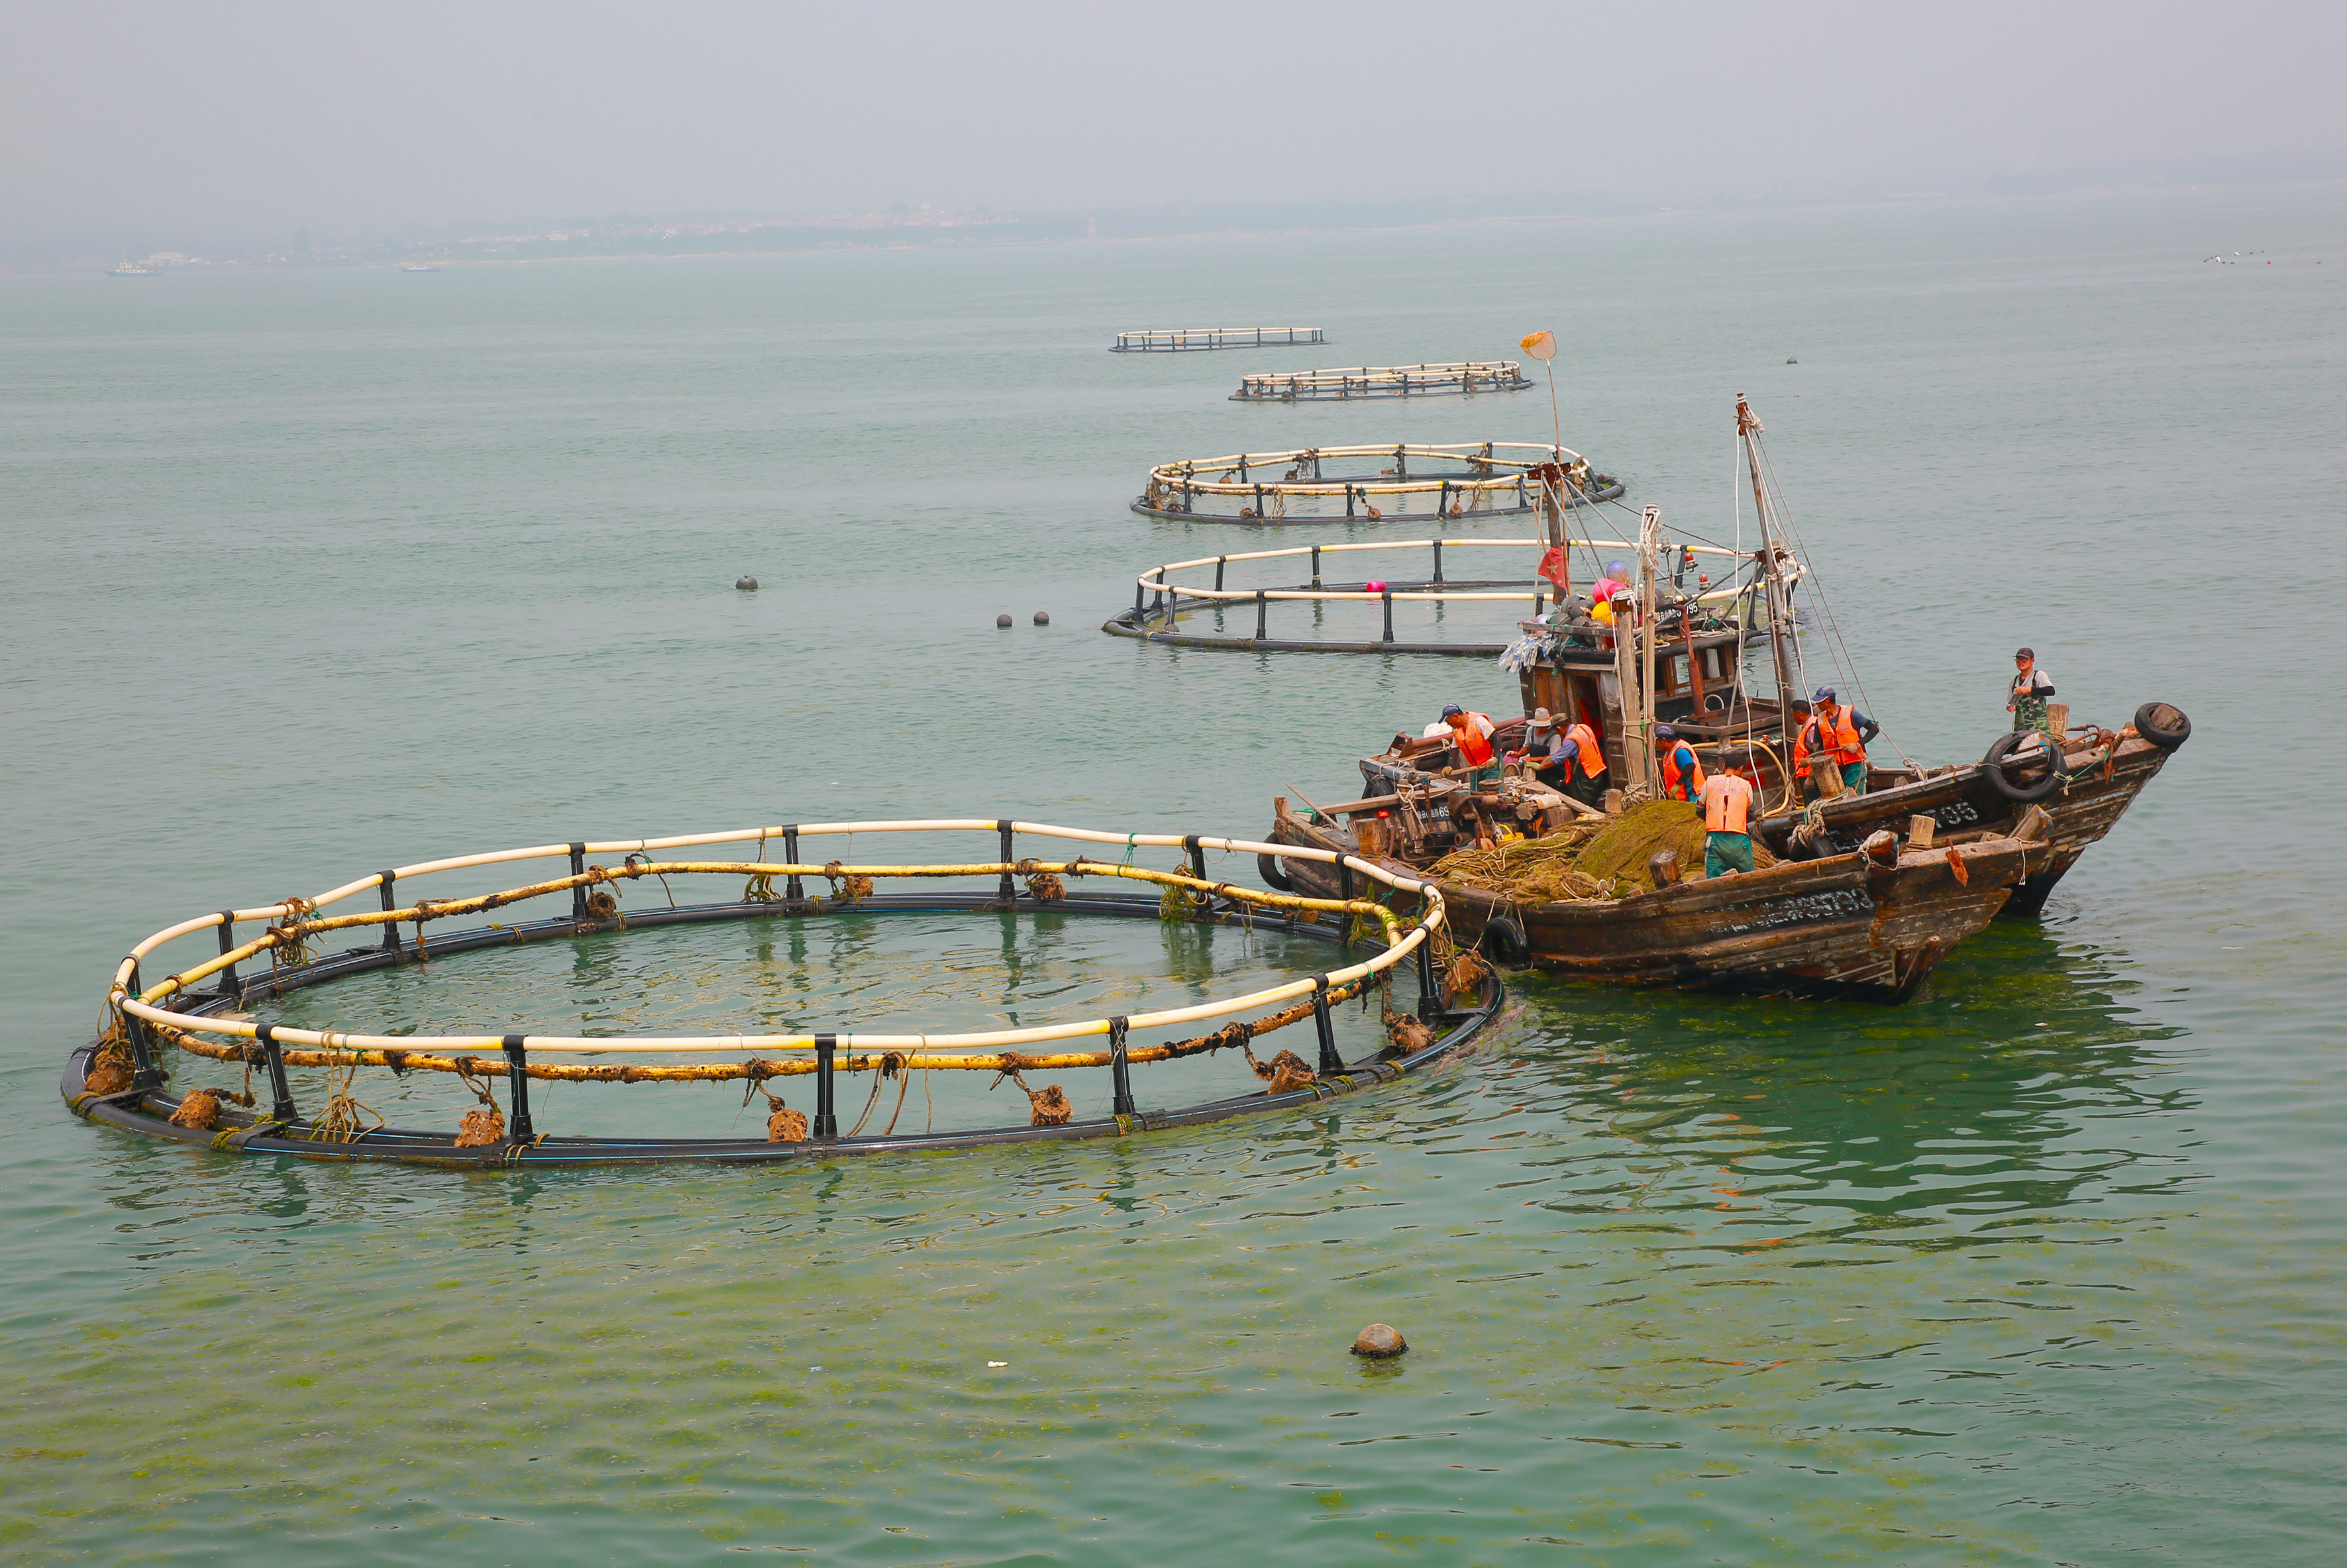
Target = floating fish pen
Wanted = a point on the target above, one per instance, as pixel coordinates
(1384, 381)
(1193, 339)
(1160, 601)
(1396, 484)
(197, 1013)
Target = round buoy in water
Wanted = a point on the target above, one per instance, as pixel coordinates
(746, 583)
(1042, 618)
(1002, 622)
(1792, 362)
(1374, 585)
(1379, 1340)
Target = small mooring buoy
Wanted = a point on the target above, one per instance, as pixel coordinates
(746, 583)
(1042, 618)
(1792, 362)
(1378, 1341)
(1002, 622)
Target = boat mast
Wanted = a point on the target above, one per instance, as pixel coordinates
(1781, 609)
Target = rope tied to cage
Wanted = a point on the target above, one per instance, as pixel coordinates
(289, 947)
(345, 1118)
(847, 886)
(892, 1066)
(1283, 1073)
(1047, 1106)
(482, 1128)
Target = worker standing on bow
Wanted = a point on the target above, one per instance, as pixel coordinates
(1682, 775)
(2030, 687)
(1726, 824)
(1472, 734)
(1841, 732)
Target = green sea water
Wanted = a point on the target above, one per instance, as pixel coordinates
(310, 573)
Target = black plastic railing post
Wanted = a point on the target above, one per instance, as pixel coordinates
(1140, 595)
(1315, 566)
(518, 1129)
(1344, 878)
(1262, 613)
(281, 1091)
(1258, 500)
(390, 943)
(1219, 562)
(1442, 503)
(1197, 856)
(1004, 890)
(579, 893)
(147, 1073)
(1348, 500)
(1438, 563)
(1388, 597)
(1119, 1071)
(1430, 997)
(792, 889)
(228, 984)
(1330, 1061)
(827, 1114)
(1540, 595)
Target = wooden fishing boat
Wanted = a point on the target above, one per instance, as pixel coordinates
(1872, 891)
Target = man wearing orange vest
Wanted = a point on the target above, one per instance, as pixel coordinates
(1472, 734)
(1727, 824)
(1682, 775)
(1839, 732)
(1588, 785)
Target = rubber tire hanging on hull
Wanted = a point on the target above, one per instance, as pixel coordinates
(2013, 789)
(2164, 724)
(1504, 940)
(1268, 866)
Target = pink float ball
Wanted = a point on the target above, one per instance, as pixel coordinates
(1375, 586)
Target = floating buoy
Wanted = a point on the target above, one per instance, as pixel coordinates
(746, 583)
(1792, 362)
(1042, 618)
(1002, 622)
(1375, 585)
(1378, 1341)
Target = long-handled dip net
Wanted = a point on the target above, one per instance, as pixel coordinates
(196, 1020)
(1398, 484)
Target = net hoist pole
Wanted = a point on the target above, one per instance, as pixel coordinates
(1780, 609)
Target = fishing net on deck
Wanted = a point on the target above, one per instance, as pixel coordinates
(1590, 859)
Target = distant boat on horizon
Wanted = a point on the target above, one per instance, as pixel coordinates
(421, 267)
(130, 270)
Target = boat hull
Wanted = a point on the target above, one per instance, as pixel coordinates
(1841, 926)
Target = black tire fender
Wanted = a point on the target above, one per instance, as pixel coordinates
(1268, 866)
(2164, 724)
(1504, 940)
(2016, 790)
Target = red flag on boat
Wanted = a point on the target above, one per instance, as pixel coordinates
(1553, 566)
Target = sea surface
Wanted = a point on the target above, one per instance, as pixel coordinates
(308, 573)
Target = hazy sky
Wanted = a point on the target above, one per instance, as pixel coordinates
(265, 117)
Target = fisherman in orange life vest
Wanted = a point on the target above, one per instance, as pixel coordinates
(1839, 732)
(1472, 734)
(1682, 775)
(1552, 759)
(1727, 824)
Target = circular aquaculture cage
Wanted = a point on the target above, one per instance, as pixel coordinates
(1453, 378)
(1396, 484)
(1174, 604)
(1388, 928)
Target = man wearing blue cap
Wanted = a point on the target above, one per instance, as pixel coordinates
(1839, 732)
(1682, 775)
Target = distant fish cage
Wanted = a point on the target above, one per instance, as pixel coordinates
(1348, 484)
(1192, 340)
(1384, 381)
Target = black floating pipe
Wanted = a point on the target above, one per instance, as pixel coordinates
(518, 1129)
(826, 1115)
(1004, 890)
(281, 1091)
(228, 984)
(578, 892)
(390, 943)
(792, 889)
(1119, 1071)
(1330, 1062)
